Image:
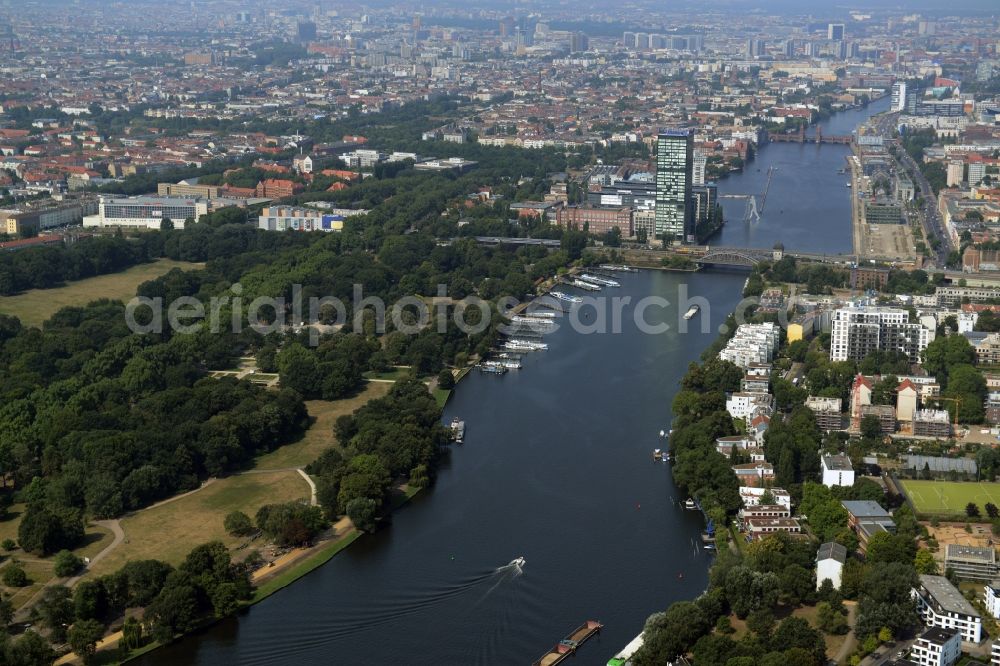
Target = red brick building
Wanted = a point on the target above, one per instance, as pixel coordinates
(597, 220)
(273, 188)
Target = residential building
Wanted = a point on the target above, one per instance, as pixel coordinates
(752, 343)
(764, 511)
(906, 400)
(674, 164)
(185, 189)
(835, 32)
(931, 423)
(755, 384)
(986, 346)
(858, 331)
(146, 212)
(755, 474)
(751, 496)
(953, 296)
(758, 528)
(830, 559)
(898, 97)
(940, 604)
(743, 405)
(991, 598)
(936, 647)
(35, 216)
(972, 562)
(995, 653)
(861, 397)
(837, 471)
(826, 411)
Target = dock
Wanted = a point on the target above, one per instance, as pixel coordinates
(569, 645)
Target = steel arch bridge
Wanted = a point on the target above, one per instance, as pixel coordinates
(735, 256)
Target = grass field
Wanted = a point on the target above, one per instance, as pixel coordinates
(950, 498)
(169, 531)
(35, 306)
(39, 570)
(319, 436)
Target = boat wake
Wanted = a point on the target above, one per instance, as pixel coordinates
(509, 571)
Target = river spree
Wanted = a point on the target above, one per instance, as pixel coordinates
(556, 467)
(808, 206)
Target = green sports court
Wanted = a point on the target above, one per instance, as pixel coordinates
(950, 497)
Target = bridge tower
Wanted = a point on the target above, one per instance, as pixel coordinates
(819, 135)
(778, 252)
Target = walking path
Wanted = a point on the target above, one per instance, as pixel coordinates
(851, 642)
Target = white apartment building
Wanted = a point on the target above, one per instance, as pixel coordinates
(937, 647)
(830, 559)
(991, 598)
(742, 405)
(837, 471)
(940, 604)
(751, 496)
(146, 212)
(753, 343)
(858, 331)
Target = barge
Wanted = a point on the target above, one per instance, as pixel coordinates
(567, 647)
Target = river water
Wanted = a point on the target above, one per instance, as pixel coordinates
(808, 205)
(556, 467)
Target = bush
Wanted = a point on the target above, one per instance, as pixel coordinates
(8, 545)
(66, 563)
(14, 576)
(238, 523)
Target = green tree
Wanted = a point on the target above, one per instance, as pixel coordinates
(238, 523)
(55, 609)
(132, 638)
(446, 380)
(83, 637)
(362, 512)
(925, 563)
(971, 510)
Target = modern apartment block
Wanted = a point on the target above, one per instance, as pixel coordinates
(858, 331)
(940, 604)
(753, 343)
(936, 647)
(674, 165)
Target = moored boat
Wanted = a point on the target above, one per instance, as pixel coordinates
(457, 430)
(692, 311)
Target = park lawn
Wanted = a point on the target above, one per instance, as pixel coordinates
(319, 436)
(170, 530)
(397, 373)
(950, 497)
(39, 570)
(441, 396)
(35, 306)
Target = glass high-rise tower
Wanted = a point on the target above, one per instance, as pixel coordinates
(674, 162)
